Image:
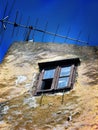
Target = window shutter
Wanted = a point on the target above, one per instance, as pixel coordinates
(70, 83)
(40, 80)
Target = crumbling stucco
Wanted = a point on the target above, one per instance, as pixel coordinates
(18, 75)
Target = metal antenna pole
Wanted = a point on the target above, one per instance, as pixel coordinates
(11, 8)
(2, 3)
(26, 29)
(36, 23)
(15, 24)
(3, 26)
(56, 32)
(44, 32)
(28, 33)
(78, 37)
(19, 23)
(68, 33)
(8, 16)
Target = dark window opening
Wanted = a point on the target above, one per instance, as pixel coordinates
(57, 76)
(46, 84)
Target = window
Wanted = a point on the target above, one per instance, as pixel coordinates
(47, 79)
(64, 77)
(57, 76)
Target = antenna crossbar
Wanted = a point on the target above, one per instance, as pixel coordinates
(4, 21)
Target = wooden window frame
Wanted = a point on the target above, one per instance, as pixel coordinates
(56, 77)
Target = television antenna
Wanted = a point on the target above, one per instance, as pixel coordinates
(5, 18)
(29, 28)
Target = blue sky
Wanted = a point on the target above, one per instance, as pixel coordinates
(75, 17)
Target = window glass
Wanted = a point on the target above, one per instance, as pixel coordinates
(49, 74)
(63, 82)
(65, 71)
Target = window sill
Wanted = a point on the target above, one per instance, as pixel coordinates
(52, 91)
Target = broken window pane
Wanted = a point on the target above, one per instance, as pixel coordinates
(49, 74)
(65, 71)
(63, 82)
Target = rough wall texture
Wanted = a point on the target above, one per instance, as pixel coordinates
(19, 110)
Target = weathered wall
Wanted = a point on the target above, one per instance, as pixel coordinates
(18, 73)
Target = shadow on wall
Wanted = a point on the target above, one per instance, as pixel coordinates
(92, 73)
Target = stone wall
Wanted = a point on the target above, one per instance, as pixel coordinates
(18, 74)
